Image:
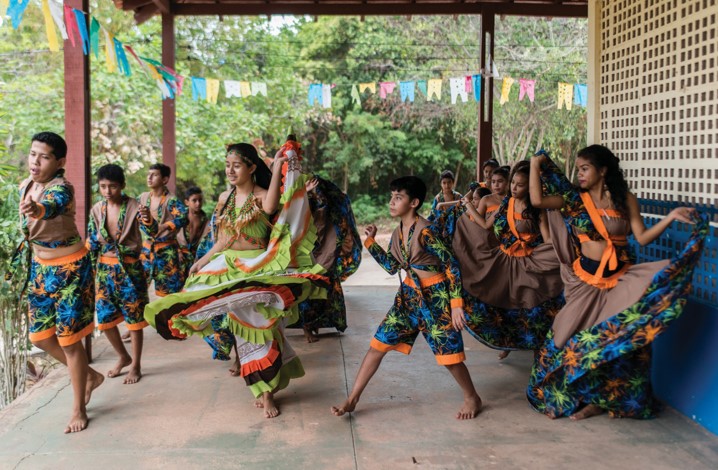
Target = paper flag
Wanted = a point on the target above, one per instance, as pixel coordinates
(506, 89)
(259, 88)
(122, 61)
(3, 7)
(367, 86)
(356, 99)
(49, 27)
(565, 95)
(580, 94)
(434, 89)
(82, 28)
(56, 9)
(71, 24)
(95, 37)
(457, 86)
(469, 84)
(476, 82)
(15, 11)
(386, 88)
(231, 89)
(526, 88)
(245, 89)
(315, 94)
(421, 84)
(199, 88)
(326, 96)
(494, 70)
(110, 57)
(212, 86)
(407, 91)
(142, 63)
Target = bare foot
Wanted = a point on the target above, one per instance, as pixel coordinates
(587, 412)
(347, 407)
(133, 376)
(270, 408)
(94, 380)
(78, 422)
(236, 369)
(503, 355)
(122, 362)
(259, 403)
(126, 336)
(470, 409)
(309, 335)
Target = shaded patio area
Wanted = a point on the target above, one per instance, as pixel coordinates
(187, 412)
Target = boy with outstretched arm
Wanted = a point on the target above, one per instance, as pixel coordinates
(429, 299)
(160, 251)
(115, 241)
(60, 296)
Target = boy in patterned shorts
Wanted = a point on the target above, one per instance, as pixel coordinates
(429, 299)
(60, 296)
(160, 251)
(115, 241)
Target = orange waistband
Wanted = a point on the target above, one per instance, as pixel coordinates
(67, 259)
(113, 261)
(618, 239)
(426, 282)
(158, 245)
(517, 250)
(595, 279)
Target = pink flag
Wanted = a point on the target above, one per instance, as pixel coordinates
(526, 88)
(469, 84)
(386, 88)
(71, 25)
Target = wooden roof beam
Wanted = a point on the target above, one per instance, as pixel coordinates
(368, 9)
(163, 6)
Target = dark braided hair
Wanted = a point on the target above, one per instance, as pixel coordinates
(248, 154)
(601, 157)
(530, 212)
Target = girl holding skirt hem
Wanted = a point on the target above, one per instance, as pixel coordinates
(597, 356)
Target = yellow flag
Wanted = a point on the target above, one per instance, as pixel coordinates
(506, 89)
(3, 6)
(49, 24)
(110, 56)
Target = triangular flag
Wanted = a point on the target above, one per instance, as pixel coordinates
(15, 11)
(421, 84)
(494, 70)
(199, 88)
(259, 88)
(122, 58)
(434, 89)
(71, 24)
(50, 27)
(231, 89)
(143, 65)
(110, 56)
(565, 95)
(82, 29)
(356, 99)
(580, 94)
(95, 37)
(526, 88)
(506, 89)
(245, 89)
(56, 9)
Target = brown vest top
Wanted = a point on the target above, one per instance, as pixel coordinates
(166, 216)
(57, 228)
(131, 237)
(417, 253)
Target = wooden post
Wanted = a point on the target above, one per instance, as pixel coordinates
(169, 138)
(486, 106)
(594, 73)
(77, 130)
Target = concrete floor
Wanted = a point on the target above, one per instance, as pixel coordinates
(187, 412)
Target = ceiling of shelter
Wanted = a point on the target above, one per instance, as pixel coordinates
(145, 9)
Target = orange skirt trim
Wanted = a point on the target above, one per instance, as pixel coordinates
(44, 334)
(426, 282)
(596, 281)
(261, 364)
(450, 359)
(112, 324)
(62, 260)
(517, 250)
(114, 261)
(379, 346)
(74, 338)
(295, 245)
(137, 326)
(158, 246)
(267, 259)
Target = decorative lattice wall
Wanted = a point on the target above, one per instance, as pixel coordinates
(659, 113)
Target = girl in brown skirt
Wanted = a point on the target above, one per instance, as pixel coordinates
(512, 282)
(597, 356)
